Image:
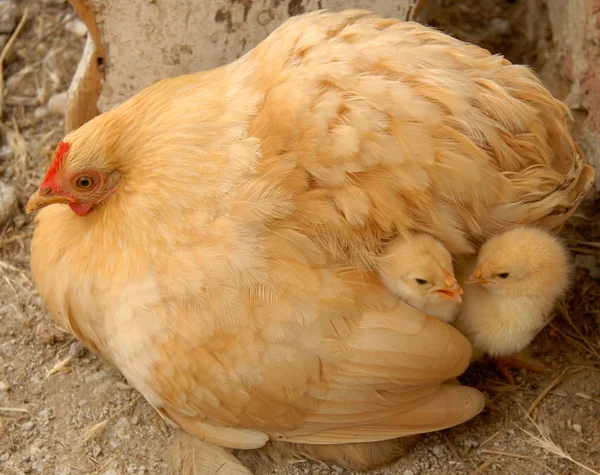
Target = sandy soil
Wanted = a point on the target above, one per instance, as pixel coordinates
(64, 411)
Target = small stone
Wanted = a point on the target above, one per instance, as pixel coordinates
(576, 428)
(47, 334)
(438, 451)
(57, 103)
(408, 471)
(135, 420)
(4, 457)
(8, 16)
(41, 49)
(471, 444)
(4, 386)
(76, 350)
(46, 414)
(110, 472)
(27, 426)
(8, 202)
(338, 470)
(34, 451)
(500, 26)
(562, 424)
(588, 262)
(77, 27)
(7, 153)
(40, 112)
(97, 376)
(585, 261)
(96, 451)
(19, 221)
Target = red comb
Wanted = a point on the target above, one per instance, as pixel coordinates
(59, 155)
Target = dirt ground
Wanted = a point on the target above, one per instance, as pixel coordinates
(64, 411)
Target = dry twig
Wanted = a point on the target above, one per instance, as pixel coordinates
(60, 367)
(544, 442)
(5, 52)
(555, 382)
(95, 430)
(14, 409)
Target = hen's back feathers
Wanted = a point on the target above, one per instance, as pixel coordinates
(376, 126)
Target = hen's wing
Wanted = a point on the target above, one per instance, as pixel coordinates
(298, 352)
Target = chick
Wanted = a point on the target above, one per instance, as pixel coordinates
(419, 270)
(510, 294)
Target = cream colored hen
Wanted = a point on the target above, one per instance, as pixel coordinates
(511, 291)
(418, 268)
(224, 227)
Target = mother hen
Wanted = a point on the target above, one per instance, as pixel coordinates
(224, 226)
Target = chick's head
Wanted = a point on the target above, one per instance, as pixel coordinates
(522, 262)
(419, 269)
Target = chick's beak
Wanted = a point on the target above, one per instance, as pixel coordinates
(44, 197)
(476, 278)
(453, 290)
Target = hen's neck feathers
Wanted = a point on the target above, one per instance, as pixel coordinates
(181, 147)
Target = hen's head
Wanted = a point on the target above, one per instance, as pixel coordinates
(419, 269)
(522, 262)
(82, 180)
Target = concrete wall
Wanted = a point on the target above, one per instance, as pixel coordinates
(139, 42)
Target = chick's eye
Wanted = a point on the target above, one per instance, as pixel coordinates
(421, 281)
(84, 182)
(504, 275)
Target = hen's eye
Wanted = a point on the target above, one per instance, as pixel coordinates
(421, 281)
(84, 182)
(504, 275)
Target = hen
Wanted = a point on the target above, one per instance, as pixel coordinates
(225, 227)
(419, 269)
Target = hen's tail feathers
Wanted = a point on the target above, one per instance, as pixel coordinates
(353, 457)
(546, 197)
(192, 456)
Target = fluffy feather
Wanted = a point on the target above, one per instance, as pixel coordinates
(191, 456)
(228, 274)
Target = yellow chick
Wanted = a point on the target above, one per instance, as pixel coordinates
(510, 293)
(419, 270)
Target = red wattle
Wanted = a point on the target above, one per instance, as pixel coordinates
(80, 209)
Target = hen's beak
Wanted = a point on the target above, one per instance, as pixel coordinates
(44, 197)
(476, 278)
(453, 290)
